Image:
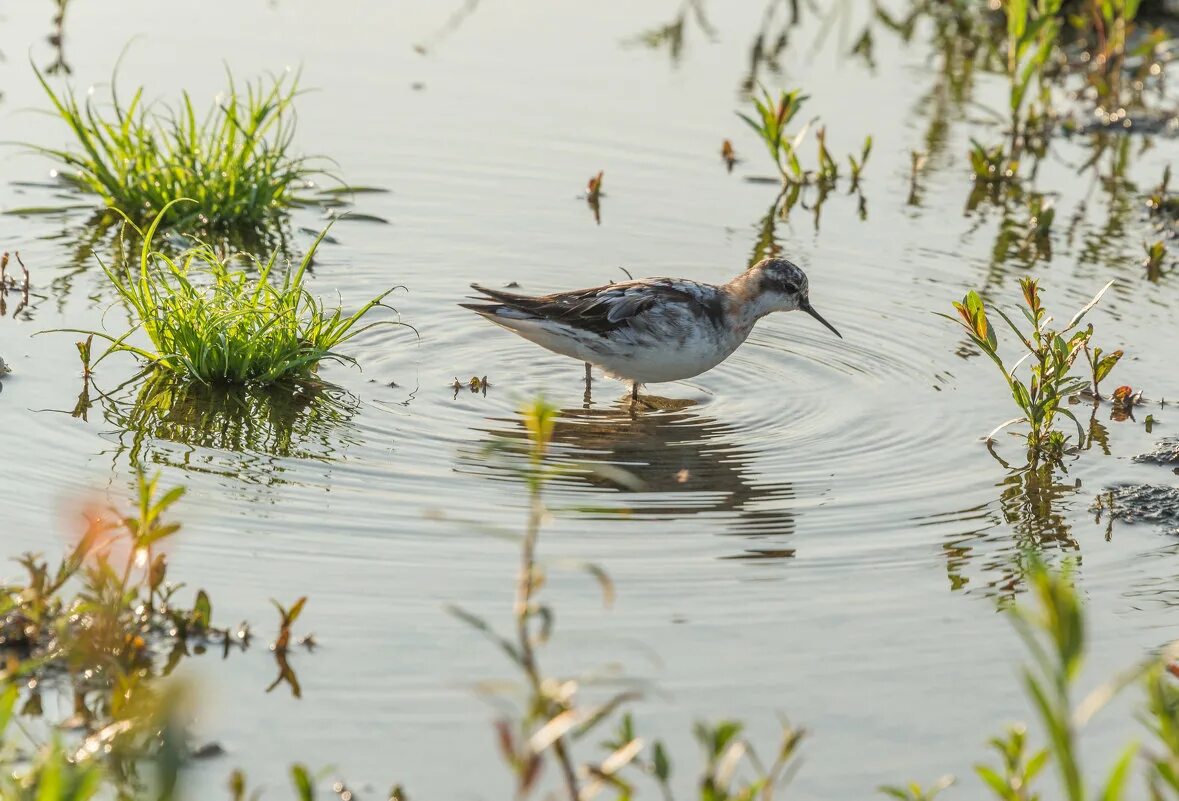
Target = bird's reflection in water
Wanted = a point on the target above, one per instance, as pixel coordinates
(686, 464)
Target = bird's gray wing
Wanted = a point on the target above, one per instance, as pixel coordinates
(606, 309)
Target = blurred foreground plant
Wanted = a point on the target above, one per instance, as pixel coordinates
(551, 715)
(1052, 628)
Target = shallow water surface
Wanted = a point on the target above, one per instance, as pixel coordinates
(818, 530)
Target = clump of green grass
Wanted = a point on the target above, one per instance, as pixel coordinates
(1051, 352)
(218, 324)
(235, 160)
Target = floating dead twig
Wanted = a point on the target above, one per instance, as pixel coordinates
(594, 194)
(728, 154)
(475, 384)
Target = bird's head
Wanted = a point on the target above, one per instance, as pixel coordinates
(783, 286)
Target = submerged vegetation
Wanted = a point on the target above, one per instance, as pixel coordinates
(236, 160)
(216, 324)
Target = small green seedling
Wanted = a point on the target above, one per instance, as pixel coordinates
(770, 124)
(84, 347)
(287, 618)
(915, 792)
(1156, 252)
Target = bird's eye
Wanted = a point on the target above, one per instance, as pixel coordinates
(789, 288)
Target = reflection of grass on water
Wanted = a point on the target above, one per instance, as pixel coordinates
(300, 423)
(1031, 504)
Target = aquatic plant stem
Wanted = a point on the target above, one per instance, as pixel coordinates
(525, 584)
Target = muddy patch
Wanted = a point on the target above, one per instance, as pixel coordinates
(1143, 503)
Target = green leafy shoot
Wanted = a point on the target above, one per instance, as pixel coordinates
(1050, 353)
(773, 117)
(770, 122)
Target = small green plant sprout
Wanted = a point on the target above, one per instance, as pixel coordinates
(220, 325)
(991, 165)
(1012, 781)
(828, 169)
(281, 647)
(1100, 364)
(1156, 252)
(84, 347)
(857, 165)
(770, 124)
(236, 161)
(915, 792)
(724, 751)
(1050, 354)
(773, 117)
(287, 618)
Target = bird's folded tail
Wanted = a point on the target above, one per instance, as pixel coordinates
(509, 304)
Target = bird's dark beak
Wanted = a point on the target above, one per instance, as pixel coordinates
(809, 309)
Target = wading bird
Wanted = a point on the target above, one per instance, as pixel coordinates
(653, 329)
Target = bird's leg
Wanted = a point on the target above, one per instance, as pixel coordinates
(634, 391)
(586, 398)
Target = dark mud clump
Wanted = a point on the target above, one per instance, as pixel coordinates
(1144, 503)
(1166, 453)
